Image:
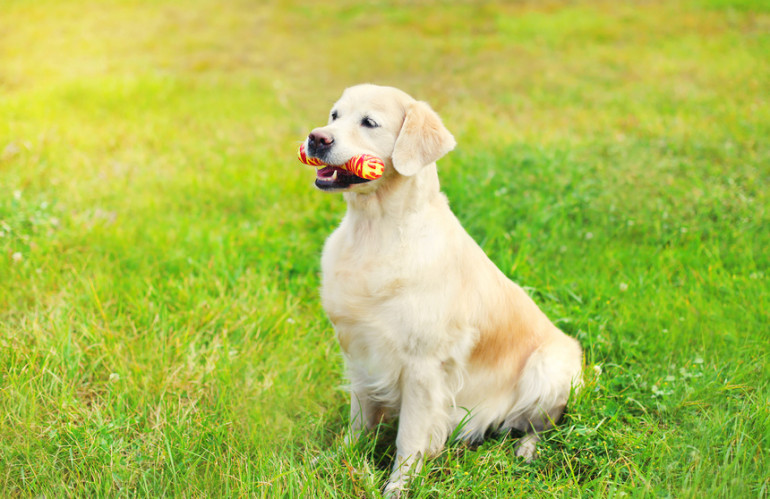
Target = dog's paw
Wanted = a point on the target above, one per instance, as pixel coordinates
(527, 446)
(393, 490)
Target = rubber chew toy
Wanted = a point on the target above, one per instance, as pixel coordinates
(365, 166)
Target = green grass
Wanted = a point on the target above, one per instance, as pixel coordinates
(160, 328)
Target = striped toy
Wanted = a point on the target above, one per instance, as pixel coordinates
(365, 166)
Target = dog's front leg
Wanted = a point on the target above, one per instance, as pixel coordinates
(423, 422)
(356, 419)
(364, 415)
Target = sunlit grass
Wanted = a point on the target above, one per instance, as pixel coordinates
(160, 331)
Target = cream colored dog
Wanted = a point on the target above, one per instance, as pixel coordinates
(431, 330)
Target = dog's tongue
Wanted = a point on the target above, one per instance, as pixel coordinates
(333, 173)
(328, 171)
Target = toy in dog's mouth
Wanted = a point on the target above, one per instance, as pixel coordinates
(357, 170)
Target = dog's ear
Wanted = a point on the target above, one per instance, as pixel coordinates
(423, 139)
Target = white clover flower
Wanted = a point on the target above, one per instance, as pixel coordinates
(623, 286)
(17, 257)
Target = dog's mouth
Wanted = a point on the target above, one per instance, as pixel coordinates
(333, 178)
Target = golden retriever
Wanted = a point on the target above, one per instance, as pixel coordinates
(432, 332)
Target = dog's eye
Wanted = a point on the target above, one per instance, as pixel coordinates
(369, 123)
(334, 115)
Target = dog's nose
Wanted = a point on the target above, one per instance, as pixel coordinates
(319, 141)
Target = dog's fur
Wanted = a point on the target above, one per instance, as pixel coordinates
(431, 330)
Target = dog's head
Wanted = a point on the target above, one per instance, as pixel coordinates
(381, 121)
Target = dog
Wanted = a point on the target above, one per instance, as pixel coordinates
(432, 332)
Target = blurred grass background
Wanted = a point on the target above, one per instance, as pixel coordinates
(160, 331)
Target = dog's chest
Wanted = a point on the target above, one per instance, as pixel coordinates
(380, 293)
(359, 278)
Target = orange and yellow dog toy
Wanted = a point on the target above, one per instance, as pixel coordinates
(365, 166)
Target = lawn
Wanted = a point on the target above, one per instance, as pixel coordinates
(160, 326)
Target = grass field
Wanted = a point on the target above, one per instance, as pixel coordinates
(160, 328)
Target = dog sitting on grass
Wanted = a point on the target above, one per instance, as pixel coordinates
(433, 333)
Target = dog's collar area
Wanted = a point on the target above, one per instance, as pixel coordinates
(333, 178)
